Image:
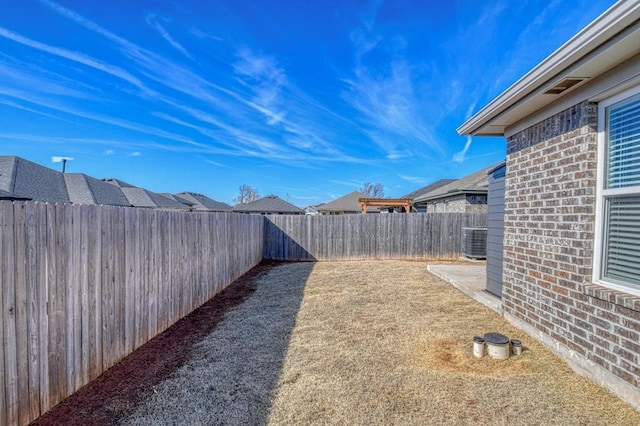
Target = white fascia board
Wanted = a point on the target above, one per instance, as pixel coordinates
(611, 22)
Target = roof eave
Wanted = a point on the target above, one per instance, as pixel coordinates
(452, 194)
(611, 22)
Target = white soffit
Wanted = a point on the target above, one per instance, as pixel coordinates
(611, 39)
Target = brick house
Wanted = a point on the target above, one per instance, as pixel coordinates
(571, 257)
(465, 195)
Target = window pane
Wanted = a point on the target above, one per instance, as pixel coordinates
(622, 240)
(623, 147)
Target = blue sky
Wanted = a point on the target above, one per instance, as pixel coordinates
(306, 100)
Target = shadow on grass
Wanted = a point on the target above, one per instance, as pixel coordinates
(218, 365)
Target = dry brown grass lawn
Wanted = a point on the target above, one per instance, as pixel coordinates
(372, 342)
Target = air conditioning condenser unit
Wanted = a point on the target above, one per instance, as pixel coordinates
(474, 243)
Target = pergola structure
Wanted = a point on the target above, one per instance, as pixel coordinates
(401, 203)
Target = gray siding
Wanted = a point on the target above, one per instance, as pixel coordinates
(495, 230)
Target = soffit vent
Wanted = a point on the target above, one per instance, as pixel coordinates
(564, 85)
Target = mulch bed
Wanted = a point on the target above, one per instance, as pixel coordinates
(114, 394)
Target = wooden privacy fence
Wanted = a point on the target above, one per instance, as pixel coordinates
(83, 286)
(371, 236)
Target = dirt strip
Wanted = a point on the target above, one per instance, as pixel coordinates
(114, 394)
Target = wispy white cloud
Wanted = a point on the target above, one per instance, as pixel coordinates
(389, 95)
(356, 185)
(154, 21)
(55, 105)
(73, 56)
(363, 43)
(17, 105)
(261, 74)
(458, 157)
(68, 142)
(109, 152)
(214, 163)
(92, 26)
(418, 180)
(16, 73)
(266, 79)
(300, 129)
(203, 35)
(392, 109)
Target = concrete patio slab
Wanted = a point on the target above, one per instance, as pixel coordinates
(471, 280)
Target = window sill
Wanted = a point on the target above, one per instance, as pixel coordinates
(616, 297)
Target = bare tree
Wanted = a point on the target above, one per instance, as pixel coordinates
(373, 190)
(246, 194)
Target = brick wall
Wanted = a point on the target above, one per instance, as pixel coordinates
(549, 243)
(458, 204)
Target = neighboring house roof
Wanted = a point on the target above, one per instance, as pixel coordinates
(179, 199)
(140, 197)
(311, 210)
(202, 202)
(83, 189)
(119, 183)
(268, 204)
(475, 183)
(347, 204)
(4, 195)
(607, 42)
(30, 180)
(431, 187)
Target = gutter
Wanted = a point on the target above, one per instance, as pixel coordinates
(452, 194)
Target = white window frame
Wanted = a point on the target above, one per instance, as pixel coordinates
(602, 193)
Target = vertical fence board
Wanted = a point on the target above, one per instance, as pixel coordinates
(120, 278)
(108, 290)
(83, 289)
(74, 312)
(130, 284)
(20, 309)
(8, 315)
(21, 288)
(58, 299)
(45, 238)
(154, 273)
(4, 340)
(94, 268)
(142, 278)
(40, 320)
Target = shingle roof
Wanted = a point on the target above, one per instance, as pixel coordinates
(140, 197)
(268, 204)
(85, 189)
(347, 204)
(30, 180)
(477, 182)
(119, 183)
(431, 187)
(202, 202)
(4, 195)
(177, 198)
